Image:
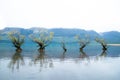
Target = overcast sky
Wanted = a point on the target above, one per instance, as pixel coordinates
(98, 15)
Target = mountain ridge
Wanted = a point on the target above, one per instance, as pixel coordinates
(111, 36)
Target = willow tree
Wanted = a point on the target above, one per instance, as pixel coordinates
(43, 39)
(17, 39)
(82, 41)
(63, 46)
(102, 42)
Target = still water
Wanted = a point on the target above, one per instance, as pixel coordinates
(43, 67)
(60, 69)
(54, 64)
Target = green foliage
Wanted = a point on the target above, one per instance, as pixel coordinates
(16, 38)
(82, 41)
(102, 42)
(43, 39)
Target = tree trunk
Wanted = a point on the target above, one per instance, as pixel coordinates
(41, 49)
(83, 54)
(64, 49)
(18, 49)
(103, 53)
(81, 48)
(104, 48)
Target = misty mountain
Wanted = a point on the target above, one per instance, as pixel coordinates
(25, 32)
(111, 37)
(71, 32)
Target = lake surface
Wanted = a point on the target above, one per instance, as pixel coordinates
(55, 64)
(55, 50)
(60, 69)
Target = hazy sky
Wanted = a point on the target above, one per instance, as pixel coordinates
(99, 15)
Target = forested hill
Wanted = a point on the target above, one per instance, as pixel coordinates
(112, 36)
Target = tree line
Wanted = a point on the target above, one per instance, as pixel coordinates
(44, 38)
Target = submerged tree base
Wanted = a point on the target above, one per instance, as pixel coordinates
(103, 54)
(18, 50)
(65, 50)
(41, 49)
(104, 49)
(83, 54)
(81, 49)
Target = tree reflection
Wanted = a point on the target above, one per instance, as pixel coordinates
(44, 60)
(83, 58)
(63, 56)
(16, 60)
(83, 55)
(103, 54)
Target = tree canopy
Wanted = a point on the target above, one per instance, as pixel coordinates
(43, 39)
(16, 38)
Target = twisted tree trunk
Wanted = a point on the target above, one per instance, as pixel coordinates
(82, 47)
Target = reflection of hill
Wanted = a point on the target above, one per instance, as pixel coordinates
(112, 37)
(16, 60)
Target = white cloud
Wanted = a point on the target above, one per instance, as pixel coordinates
(99, 15)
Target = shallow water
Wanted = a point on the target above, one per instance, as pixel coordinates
(60, 69)
(55, 64)
(55, 50)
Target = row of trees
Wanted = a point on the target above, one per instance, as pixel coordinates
(44, 38)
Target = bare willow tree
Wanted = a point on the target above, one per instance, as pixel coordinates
(17, 39)
(63, 46)
(43, 39)
(83, 41)
(102, 42)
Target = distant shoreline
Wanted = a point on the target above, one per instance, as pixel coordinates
(114, 44)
